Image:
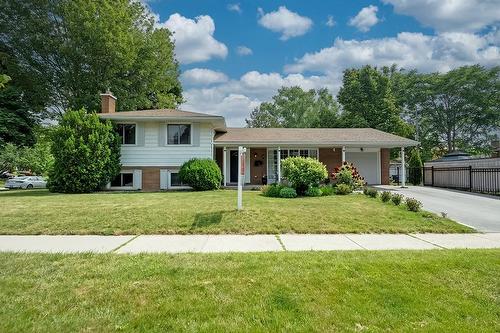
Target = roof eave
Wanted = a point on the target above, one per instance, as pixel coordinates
(367, 144)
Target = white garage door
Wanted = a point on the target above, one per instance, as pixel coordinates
(367, 165)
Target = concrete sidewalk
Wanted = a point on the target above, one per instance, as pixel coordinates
(243, 243)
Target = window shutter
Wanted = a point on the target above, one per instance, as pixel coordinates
(162, 135)
(141, 134)
(137, 179)
(195, 134)
(163, 179)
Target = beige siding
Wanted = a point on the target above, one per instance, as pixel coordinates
(153, 153)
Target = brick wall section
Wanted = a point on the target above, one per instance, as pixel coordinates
(258, 155)
(150, 179)
(330, 158)
(385, 157)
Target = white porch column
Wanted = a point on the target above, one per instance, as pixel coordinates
(224, 166)
(343, 154)
(403, 168)
(279, 164)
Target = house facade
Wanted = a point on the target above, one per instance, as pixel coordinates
(155, 143)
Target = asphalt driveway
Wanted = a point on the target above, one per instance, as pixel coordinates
(478, 211)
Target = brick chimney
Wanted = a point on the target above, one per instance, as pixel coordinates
(108, 102)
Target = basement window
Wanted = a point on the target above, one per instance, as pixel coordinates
(124, 179)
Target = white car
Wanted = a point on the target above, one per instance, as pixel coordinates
(26, 182)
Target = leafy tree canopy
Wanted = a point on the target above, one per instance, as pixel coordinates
(294, 107)
(72, 50)
(86, 153)
(368, 101)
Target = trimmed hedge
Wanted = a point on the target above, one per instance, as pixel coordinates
(288, 192)
(201, 174)
(314, 192)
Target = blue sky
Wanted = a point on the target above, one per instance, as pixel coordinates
(236, 54)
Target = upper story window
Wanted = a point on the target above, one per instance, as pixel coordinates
(126, 133)
(179, 134)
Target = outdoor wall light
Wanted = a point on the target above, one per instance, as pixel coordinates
(361, 149)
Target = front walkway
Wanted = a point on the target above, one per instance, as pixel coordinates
(481, 212)
(242, 243)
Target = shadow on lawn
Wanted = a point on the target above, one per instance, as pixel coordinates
(202, 220)
(26, 193)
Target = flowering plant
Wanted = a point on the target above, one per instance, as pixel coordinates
(349, 175)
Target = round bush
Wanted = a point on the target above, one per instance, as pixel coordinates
(288, 192)
(385, 196)
(413, 205)
(396, 199)
(303, 173)
(86, 153)
(201, 174)
(326, 190)
(343, 189)
(272, 190)
(314, 192)
(371, 192)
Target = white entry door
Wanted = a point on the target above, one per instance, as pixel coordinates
(367, 163)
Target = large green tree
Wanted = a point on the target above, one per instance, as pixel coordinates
(295, 107)
(368, 101)
(461, 108)
(86, 153)
(72, 50)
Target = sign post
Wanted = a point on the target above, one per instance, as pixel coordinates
(241, 175)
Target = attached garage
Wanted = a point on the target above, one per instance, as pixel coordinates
(367, 162)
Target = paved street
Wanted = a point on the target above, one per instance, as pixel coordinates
(243, 243)
(478, 211)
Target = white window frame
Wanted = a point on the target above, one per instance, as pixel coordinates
(135, 140)
(124, 187)
(190, 144)
(285, 148)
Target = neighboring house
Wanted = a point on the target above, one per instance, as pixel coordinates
(155, 143)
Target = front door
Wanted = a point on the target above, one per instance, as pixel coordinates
(233, 166)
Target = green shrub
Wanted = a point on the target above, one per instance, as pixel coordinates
(314, 192)
(86, 153)
(415, 171)
(272, 190)
(201, 174)
(385, 196)
(348, 174)
(343, 189)
(365, 190)
(372, 192)
(413, 205)
(327, 190)
(396, 199)
(288, 192)
(303, 173)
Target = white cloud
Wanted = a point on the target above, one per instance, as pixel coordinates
(203, 76)
(244, 51)
(194, 41)
(450, 15)
(366, 18)
(330, 22)
(409, 50)
(288, 23)
(234, 7)
(235, 99)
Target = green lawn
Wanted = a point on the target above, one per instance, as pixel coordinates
(379, 291)
(40, 212)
